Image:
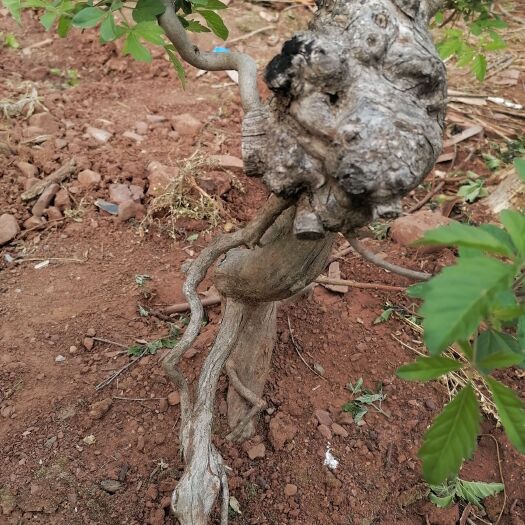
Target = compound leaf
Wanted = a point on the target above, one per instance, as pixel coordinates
(427, 368)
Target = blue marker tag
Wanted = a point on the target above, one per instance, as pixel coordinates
(219, 49)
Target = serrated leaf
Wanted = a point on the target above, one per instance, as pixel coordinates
(511, 411)
(148, 10)
(195, 26)
(519, 164)
(497, 350)
(456, 300)
(457, 234)
(150, 31)
(14, 8)
(452, 437)
(88, 17)
(441, 501)
(514, 223)
(475, 491)
(370, 398)
(215, 23)
(48, 19)
(209, 4)
(133, 47)
(177, 65)
(479, 67)
(427, 368)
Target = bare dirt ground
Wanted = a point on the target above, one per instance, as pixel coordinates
(71, 454)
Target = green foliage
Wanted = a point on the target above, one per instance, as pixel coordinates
(472, 492)
(358, 408)
(478, 305)
(152, 347)
(111, 21)
(482, 35)
(452, 437)
(473, 189)
(9, 40)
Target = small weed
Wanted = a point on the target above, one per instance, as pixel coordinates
(385, 315)
(467, 491)
(70, 76)
(380, 230)
(151, 348)
(474, 189)
(142, 279)
(359, 406)
(9, 40)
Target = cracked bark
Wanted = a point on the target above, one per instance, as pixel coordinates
(354, 123)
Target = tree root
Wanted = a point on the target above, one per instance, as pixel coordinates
(258, 404)
(394, 268)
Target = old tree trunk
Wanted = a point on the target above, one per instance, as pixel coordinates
(354, 123)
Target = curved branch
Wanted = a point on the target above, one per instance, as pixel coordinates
(394, 268)
(241, 62)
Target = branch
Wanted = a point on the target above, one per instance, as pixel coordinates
(394, 268)
(241, 62)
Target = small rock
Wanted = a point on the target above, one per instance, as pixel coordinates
(98, 409)
(89, 179)
(290, 490)
(338, 430)
(101, 135)
(7, 411)
(156, 517)
(258, 451)
(319, 369)
(140, 443)
(152, 493)
(108, 207)
(89, 440)
(323, 417)
(62, 200)
(133, 136)
(141, 127)
(8, 228)
(325, 431)
(53, 214)
(163, 405)
(111, 485)
(73, 350)
(137, 193)
(44, 200)
(216, 183)
(91, 332)
(430, 404)
(173, 398)
(159, 439)
(59, 359)
(28, 170)
(186, 125)
(34, 222)
(30, 182)
(88, 343)
(282, 430)
(156, 119)
(44, 121)
(227, 161)
(410, 228)
(119, 193)
(131, 210)
(159, 177)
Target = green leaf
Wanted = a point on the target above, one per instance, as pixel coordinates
(108, 29)
(497, 350)
(474, 491)
(150, 31)
(148, 10)
(521, 332)
(11, 41)
(472, 191)
(195, 26)
(370, 398)
(479, 67)
(177, 65)
(48, 19)
(511, 412)
(443, 501)
(458, 234)
(88, 17)
(456, 300)
(133, 46)
(64, 26)
(519, 164)
(215, 23)
(209, 4)
(427, 368)
(514, 222)
(14, 8)
(452, 437)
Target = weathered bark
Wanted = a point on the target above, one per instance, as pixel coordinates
(355, 122)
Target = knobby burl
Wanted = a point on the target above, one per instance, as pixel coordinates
(356, 117)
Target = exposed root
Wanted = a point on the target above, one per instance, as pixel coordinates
(394, 268)
(258, 404)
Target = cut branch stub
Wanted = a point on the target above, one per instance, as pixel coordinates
(357, 115)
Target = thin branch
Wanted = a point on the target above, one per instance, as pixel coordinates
(241, 62)
(113, 376)
(394, 268)
(362, 286)
(428, 196)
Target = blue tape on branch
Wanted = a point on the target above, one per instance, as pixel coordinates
(219, 49)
